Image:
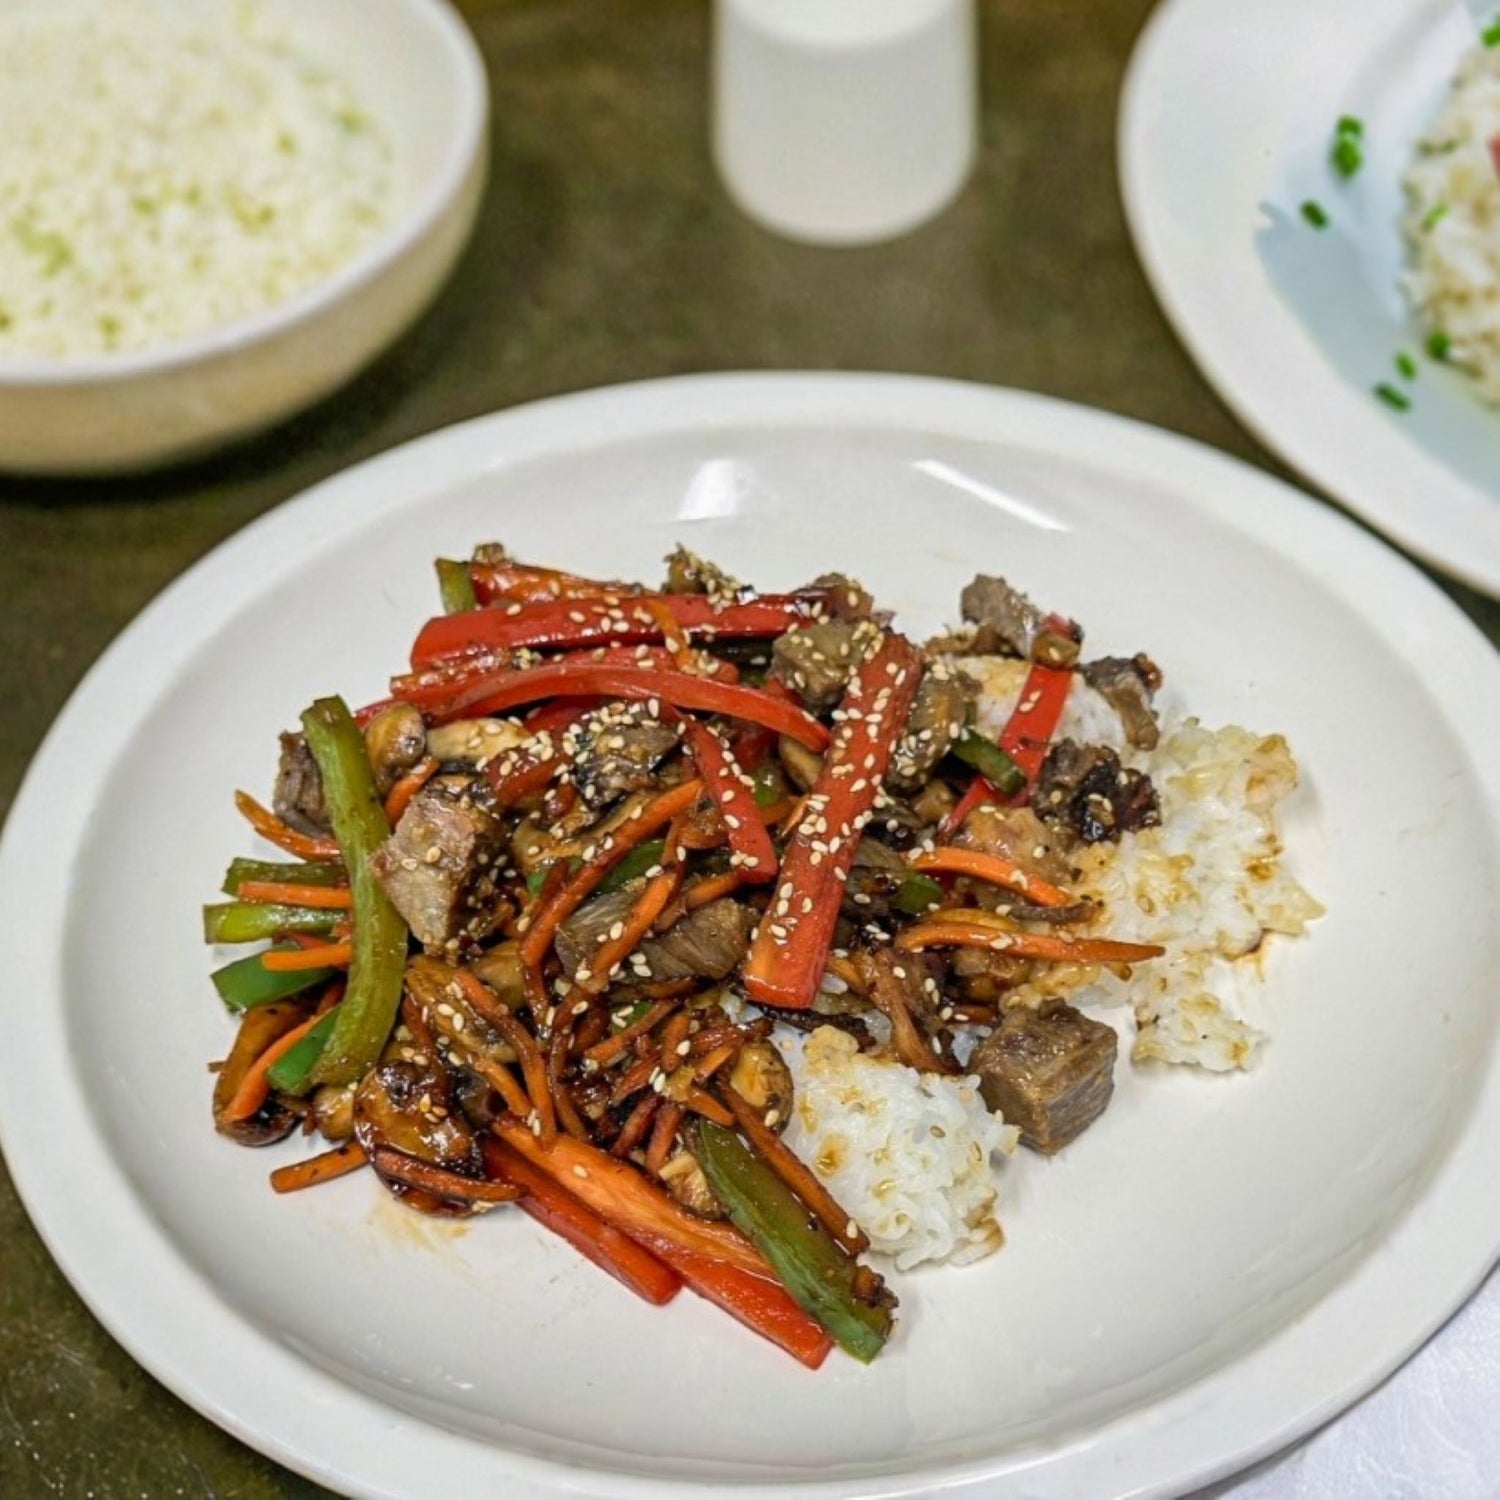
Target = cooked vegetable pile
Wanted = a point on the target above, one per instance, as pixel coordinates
(550, 905)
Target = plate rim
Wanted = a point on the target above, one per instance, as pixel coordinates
(366, 1459)
(1256, 408)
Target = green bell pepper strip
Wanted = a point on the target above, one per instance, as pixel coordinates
(292, 1072)
(301, 872)
(455, 586)
(635, 864)
(813, 1267)
(986, 757)
(917, 894)
(247, 982)
(378, 961)
(254, 921)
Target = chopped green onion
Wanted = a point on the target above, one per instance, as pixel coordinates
(1396, 400)
(768, 786)
(1490, 36)
(1315, 214)
(635, 864)
(1350, 125)
(1406, 365)
(986, 757)
(1348, 155)
(917, 894)
(1439, 345)
(1434, 216)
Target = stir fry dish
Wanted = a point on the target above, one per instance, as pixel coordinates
(732, 936)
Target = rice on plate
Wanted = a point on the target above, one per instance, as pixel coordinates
(1452, 224)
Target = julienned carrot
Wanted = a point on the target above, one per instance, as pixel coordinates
(711, 888)
(400, 795)
(333, 955)
(618, 1192)
(339, 1162)
(637, 1123)
(613, 1046)
(703, 1103)
(595, 975)
(995, 869)
(795, 1173)
(716, 1261)
(271, 828)
(566, 1215)
(972, 934)
(324, 897)
(533, 1065)
(663, 1134)
(412, 1171)
(674, 638)
(551, 914)
(255, 1087)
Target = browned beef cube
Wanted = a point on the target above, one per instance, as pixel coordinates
(438, 867)
(1051, 1073)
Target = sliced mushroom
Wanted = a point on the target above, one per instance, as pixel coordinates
(760, 1076)
(396, 739)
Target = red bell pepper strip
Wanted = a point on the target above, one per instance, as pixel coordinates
(716, 1261)
(751, 851)
(566, 623)
(1033, 721)
(790, 950)
(435, 690)
(564, 1214)
(979, 790)
(502, 691)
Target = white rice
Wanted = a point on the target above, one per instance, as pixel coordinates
(906, 1153)
(1452, 224)
(169, 166)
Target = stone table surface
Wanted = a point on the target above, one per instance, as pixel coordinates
(606, 252)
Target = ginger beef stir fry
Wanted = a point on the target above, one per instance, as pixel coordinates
(544, 914)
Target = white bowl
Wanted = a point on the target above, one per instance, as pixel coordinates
(416, 68)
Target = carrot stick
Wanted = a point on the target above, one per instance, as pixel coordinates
(955, 934)
(330, 955)
(412, 1171)
(668, 1122)
(703, 1103)
(533, 1067)
(407, 787)
(701, 892)
(612, 848)
(255, 1087)
(339, 1162)
(638, 922)
(995, 869)
(325, 897)
(712, 1061)
(795, 1173)
(271, 828)
(613, 1046)
(636, 1125)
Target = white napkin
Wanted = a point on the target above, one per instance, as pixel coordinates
(1430, 1431)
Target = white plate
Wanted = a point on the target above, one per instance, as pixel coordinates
(1225, 126)
(1221, 1263)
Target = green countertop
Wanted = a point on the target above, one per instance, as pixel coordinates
(606, 252)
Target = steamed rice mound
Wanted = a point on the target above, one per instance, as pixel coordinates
(906, 1153)
(1452, 224)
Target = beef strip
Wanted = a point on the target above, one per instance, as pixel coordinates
(1018, 835)
(1050, 1073)
(814, 661)
(615, 750)
(1085, 789)
(298, 794)
(993, 603)
(938, 714)
(439, 866)
(1128, 684)
(707, 943)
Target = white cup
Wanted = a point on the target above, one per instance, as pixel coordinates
(844, 121)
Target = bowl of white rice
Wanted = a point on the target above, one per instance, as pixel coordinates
(215, 212)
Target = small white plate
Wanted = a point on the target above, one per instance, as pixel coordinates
(1221, 1264)
(1226, 122)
